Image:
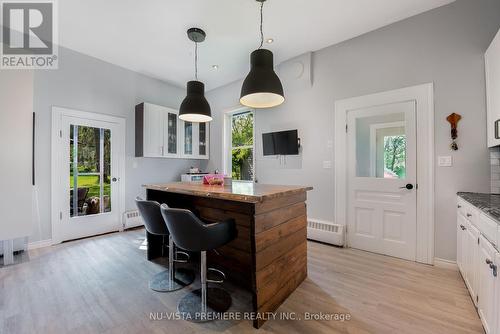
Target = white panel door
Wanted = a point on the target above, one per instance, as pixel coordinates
(382, 179)
(90, 157)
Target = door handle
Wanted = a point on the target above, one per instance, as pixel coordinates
(409, 186)
(115, 179)
(493, 267)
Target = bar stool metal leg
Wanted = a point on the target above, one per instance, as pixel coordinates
(174, 278)
(206, 303)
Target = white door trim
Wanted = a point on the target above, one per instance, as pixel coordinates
(57, 156)
(423, 95)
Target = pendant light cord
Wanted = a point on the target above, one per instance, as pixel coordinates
(196, 60)
(261, 20)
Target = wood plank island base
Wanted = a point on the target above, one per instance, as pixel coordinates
(269, 256)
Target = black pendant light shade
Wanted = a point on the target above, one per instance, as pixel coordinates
(262, 88)
(195, 107)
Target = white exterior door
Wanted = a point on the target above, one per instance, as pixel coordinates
(88, 169)
(382, 179)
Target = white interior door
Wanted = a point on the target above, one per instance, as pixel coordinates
(382, 182)
(88, 171)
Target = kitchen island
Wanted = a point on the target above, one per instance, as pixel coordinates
(269, 256)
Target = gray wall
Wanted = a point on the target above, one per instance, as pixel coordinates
(88, 84)
(444, 46)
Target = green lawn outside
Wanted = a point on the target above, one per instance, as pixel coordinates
(91, 182)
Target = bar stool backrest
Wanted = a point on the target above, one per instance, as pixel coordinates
(151, 215)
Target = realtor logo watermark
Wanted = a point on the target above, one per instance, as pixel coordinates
(29, 34)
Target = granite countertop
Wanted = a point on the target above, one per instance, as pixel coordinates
(488, 203)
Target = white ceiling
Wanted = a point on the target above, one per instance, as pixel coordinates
(149, 36)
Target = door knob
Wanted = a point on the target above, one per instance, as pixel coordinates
(409, 186)
(114, 179)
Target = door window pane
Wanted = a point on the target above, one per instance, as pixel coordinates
(381, 146)
(203, 139)
(172, 133)
(90, 170)
(188, 138)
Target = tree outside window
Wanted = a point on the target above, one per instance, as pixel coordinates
(242, 167)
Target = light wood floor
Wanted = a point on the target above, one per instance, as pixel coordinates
(100, 285)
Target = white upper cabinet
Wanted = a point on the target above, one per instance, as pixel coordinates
(492, 64)
(159, 133)
(194, 140)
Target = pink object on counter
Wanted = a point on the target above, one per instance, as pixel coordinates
(214, 179)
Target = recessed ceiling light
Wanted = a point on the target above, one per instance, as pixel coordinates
(269, 40)
(215, 67)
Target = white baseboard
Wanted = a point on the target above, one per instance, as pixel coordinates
(445, 264)
(39, 244)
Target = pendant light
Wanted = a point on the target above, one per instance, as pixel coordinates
(195, 107)
(262, 88)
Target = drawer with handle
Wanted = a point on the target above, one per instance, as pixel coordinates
(489, 228)
(468, 211)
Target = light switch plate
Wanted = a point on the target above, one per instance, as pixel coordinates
(445, 161)
(327, 164)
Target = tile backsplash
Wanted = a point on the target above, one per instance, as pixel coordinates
(495, 169)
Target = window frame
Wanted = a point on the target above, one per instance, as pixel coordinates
(228, 142)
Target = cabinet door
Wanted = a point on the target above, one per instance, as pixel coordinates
(492, 65)
(472, 250)
(153, 130)
(461, 223)
(171, 134)
(203, 140)
(188, 139)
(487, 279)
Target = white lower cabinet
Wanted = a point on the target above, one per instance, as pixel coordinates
(471, 258)
(477, 260)
(487, 281)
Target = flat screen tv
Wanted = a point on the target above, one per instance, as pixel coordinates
(281, 143)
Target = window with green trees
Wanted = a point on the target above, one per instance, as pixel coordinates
(242, 146)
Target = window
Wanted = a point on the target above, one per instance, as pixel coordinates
(395, 157)
(240, 148)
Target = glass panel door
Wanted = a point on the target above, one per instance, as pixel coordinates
(172, 133)
(89, 170)
(203, 139)
(188, 138)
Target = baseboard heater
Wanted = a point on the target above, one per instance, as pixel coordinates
(131, 219)
(326, 232)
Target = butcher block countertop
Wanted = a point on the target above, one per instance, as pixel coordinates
(238, 191)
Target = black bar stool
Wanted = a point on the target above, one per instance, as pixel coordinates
(173, 278)
(191, 234)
